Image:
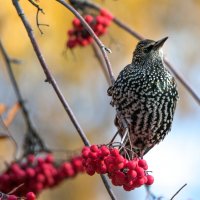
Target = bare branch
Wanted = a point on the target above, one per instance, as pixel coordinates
(15, 86)
(101, 62)
(178, 191)
(38, 23)
(78, 3)
(47, 72)
(37, 15)
(104, 49)
(182, 81)
(52, 81)
(32, 140)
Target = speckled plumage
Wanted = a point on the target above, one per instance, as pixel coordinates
(145, 96)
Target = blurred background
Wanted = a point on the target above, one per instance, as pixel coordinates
(175, 161)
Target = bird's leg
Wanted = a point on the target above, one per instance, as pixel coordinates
(124, 137)
(113, 138)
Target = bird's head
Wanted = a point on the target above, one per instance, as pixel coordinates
(148, 49)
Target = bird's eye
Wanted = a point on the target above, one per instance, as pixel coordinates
(148, 48)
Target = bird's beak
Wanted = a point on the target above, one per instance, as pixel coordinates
(159, 43)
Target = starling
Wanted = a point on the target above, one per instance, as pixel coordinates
(145, 96)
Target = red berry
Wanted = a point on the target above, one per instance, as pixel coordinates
(106, 13)
(40, 178)
(119, 159)
(77, 163)
(99, 19)
(30, 158)
(145, 167)
(128, 188)
(89, 18)
(103, 169)
(140, 171)
(142, 163)
(84, 42)
(145, 179)
(71, 43)
(30, 196)
(132, 174)
(85, 148)
(140, 182)
(90, 170)
(109, 160)
(15, 167)
(85, 154)
(119, 166)
(4, 178)
(70, 32)
(40, 161)
(150, 180)
(50, 181)
(39, 186)
(131, 164)
(68, 169)
(94, 148)
(114, 152)
(30, 172)
(90, 39)
(76, 22)
(92, 155)
(49, 158)
(118, 178)
(105, 151)
(106, 22)
(111, 168)
(99, 29)
(20, 175)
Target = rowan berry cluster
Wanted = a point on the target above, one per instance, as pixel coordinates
(127, 173)
(37, 173)
(78, 35)
(29, 196)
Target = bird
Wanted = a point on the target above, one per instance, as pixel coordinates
(145, 96)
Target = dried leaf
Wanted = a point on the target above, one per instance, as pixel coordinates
(3, 136)
(11, 114)
(2, 108)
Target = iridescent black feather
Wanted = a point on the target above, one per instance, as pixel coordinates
(145, 96)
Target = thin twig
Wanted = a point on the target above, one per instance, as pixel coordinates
(182, 81)
(15, 189)
(178, 191)
(101, 62)
(32, 139)
(49, 77)
(37, 15)
(137, 35)
(38, 23)
(15, 86)
(52, 81)
(104, 49)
